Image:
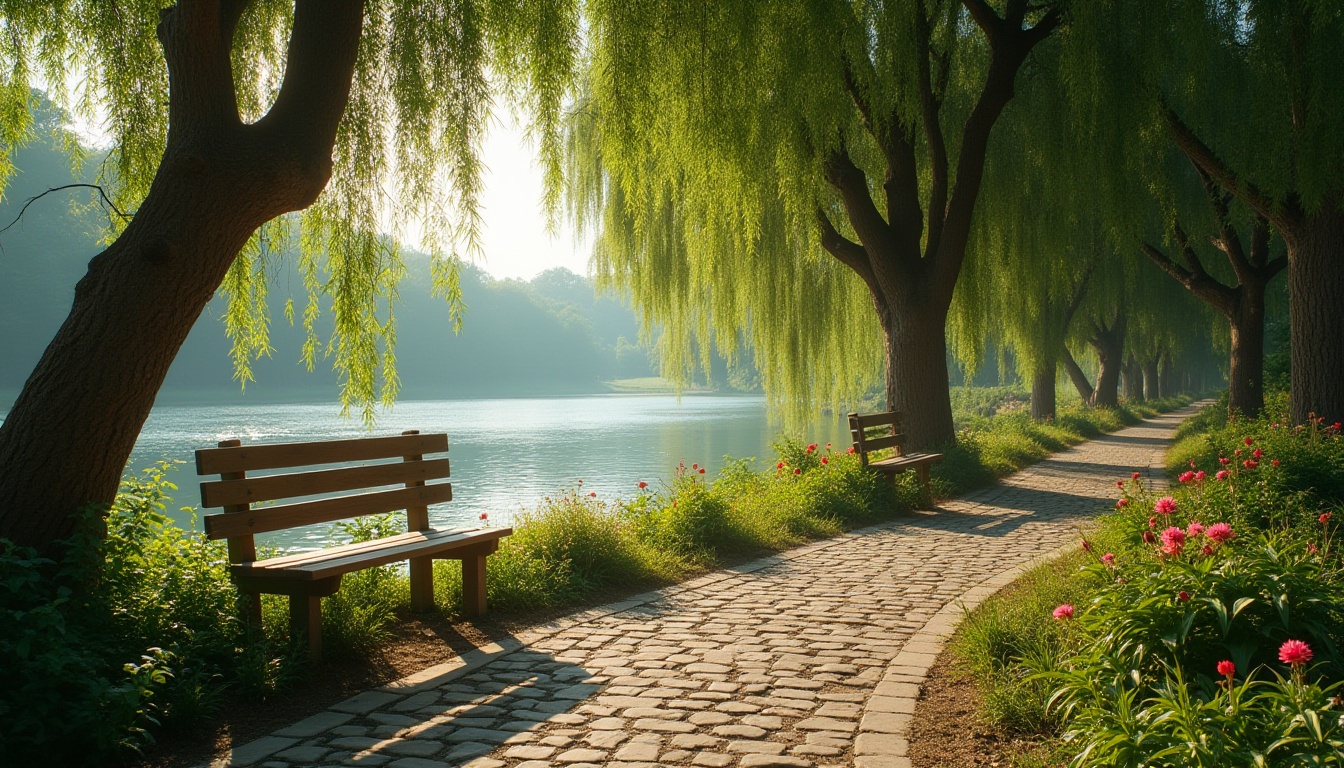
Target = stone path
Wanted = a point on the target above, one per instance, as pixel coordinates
(802, 659)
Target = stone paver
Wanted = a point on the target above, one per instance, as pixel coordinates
(809, 658)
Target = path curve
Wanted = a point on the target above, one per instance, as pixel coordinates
(812, 657)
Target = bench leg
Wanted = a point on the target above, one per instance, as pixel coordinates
(473, 585)
(925, 495)
(422, 584)
(305, 620)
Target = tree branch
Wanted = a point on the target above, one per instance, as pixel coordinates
(849, 180)
(1195, 279)
(1199, 153)
(846, 251)
(101, 193)
(901, 184)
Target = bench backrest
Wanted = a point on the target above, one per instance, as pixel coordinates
(875, 431)
(235, 492)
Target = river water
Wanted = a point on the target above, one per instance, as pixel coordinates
(507, 454)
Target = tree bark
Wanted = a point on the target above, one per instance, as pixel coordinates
(1166, 379)
(1133, 381)
(1043, 393)
(66, 441)
(1077, 376)
(1150, 383)
(1316, 314)
(917, 376)
(1109, 343)
(1246, 375)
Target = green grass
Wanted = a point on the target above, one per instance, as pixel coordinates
(164, 603)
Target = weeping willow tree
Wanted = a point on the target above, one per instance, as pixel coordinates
(1251, 92)
(768, 167)
(226, 114)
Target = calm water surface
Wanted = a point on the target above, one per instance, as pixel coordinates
(506, 454)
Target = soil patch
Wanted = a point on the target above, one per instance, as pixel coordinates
(948, 731)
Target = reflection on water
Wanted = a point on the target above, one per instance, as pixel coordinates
(506, 454)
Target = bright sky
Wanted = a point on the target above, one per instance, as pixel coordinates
(515, 239)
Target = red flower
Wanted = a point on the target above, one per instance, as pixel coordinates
(1311, 548)
(1325, 517)
(798, 471)
(592, 493)
(1183, 596)
(702, 470)
(1250, 463)
(1257, 453)
(1200, 475)
(1136, 475)
(1337, 426)
(1063, 612)
(1248, 441)
(1207, 550)
(811, 447)
(1223, 474)
(1227, 668)
(1108, 559)
(780, 465)
(825, 460)
(1173, 541)
(828, 446)
(1149, 538)
(695, 466)
(643, 485)
(1119, 483)
(1295, 652)
(485, 515)
(851, 449)
(1275, 462)
(1186, 477)
(1152, 522)
(1165, 506)
(1087, 545)
(1224, 460)
(1219, 533)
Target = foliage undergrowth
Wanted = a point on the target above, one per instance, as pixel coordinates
(155, 645)
(1174, 630)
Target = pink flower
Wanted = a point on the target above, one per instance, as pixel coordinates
(1122, 503)
(1165, 506)
(1152, 522)
(1294, 652)
(1219, 533)
(851, 449)
(1193, 529)
(1183, 596)
(828, 446)
(1108, 559)
(1325, 517)
(1224, 460)
(1311, 548)
(1223, 474)
(1250, 463)
(1173, 541)
(1065, 611)
(1248, 441)
(1200, 475)
(1186, 477)
(643, 485)
(1227, 668)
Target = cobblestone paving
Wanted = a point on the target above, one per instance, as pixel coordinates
(771, 664)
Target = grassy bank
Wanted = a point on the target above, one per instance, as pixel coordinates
(1199, 626)
(157, 646)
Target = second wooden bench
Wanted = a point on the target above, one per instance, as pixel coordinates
(878, 431)
(307, 577)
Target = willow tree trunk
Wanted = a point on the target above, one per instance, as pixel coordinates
(1246, 373)
(917, 376)
(1043, 393)
(1077, 376)
(1109, 343)
(1133, 381)
(1166, 377)
(1316, 314)
(65, 442)
(1151, 385)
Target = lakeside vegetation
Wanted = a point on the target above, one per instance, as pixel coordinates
(156, 646)
(1194, 626)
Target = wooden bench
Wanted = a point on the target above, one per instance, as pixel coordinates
(876, 431)
(307, 577)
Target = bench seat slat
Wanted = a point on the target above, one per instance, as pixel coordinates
(285, 516)
(337, 561)
(246, 458)
(223, 493)
(906, 461)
